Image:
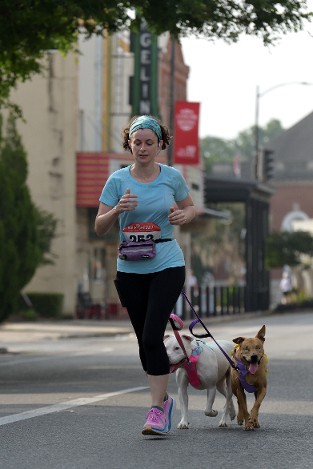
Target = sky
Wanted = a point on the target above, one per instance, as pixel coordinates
(224, 79)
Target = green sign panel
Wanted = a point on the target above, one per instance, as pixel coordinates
(144, 85)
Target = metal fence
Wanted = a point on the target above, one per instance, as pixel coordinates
(212, 301)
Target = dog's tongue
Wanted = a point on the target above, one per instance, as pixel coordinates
(253, 367)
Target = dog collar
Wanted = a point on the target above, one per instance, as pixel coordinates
(175, 366)
(197, 350)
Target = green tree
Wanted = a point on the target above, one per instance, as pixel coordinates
(272, 129)
(30, 28)
(217, 150)
(25, 231)
(221, 244)
(246, 139)
(288, 248)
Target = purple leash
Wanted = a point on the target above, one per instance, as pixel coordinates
(208, 334)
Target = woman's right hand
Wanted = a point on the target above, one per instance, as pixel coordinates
(107, 215)
(127, 202)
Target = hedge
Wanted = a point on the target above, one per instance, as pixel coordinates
(46, 305)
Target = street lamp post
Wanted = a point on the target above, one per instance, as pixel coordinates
(257, 110)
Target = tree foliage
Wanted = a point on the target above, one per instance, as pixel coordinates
(219, 251)
(245, 142)
(217, 150)
(25, 231)
(272, 129)
(288, 248)
(31, 27)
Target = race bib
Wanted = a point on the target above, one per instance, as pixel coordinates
(142, 231)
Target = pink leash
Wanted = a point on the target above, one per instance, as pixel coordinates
(177, 325)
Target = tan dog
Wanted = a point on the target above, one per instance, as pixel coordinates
(251, 360)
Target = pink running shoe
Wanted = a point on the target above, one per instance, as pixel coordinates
(156, 423)
(169, 406)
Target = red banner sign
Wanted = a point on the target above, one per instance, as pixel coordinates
(186, 133)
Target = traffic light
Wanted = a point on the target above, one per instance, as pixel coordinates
(268, 164)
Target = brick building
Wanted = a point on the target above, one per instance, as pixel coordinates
(293, 176)
(291, 205)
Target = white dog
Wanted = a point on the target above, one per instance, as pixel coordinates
(212, 369)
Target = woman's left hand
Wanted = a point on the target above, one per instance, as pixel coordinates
(177, 217)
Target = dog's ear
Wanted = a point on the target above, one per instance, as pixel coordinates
(238, 340)
(261, 334)
(187, 337)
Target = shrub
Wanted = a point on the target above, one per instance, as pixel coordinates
(29, 315)
(26, 231)
(47, 305)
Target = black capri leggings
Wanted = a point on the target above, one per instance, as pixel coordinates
(149, 300)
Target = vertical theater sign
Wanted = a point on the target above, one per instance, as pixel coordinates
(144, 83)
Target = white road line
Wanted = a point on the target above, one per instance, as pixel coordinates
(64, 406)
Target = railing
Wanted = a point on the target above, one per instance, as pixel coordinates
(212, 301)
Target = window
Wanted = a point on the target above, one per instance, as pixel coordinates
(97, 264)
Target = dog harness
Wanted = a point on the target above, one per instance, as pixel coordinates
(242, 372)
(191, 366)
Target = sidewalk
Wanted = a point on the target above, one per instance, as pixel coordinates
(12, 333)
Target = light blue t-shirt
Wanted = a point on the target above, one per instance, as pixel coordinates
(154, 202)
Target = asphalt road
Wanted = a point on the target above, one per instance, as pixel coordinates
(80, 403)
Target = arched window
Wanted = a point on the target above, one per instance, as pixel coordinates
(295, 215)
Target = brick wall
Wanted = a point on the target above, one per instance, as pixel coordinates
(289, 197)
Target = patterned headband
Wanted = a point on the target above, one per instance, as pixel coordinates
(146, 122)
